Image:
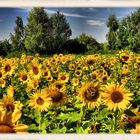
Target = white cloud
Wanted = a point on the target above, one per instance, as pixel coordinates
(95, 23)
(67, 14)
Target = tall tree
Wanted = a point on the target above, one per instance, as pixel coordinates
(60, 32)
(89, 42)
(37, 31)
(17, 39)
(113, 25)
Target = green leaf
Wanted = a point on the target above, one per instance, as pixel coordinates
(58, 130)
(33, 127)
(129, 113)
(120, 131)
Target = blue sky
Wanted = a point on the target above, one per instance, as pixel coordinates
(91, 21)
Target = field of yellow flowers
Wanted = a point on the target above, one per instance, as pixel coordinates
(70, 93)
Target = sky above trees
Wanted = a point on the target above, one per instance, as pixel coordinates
(91, 21)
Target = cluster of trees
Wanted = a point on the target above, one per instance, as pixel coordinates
(46, 35)
(124, 34)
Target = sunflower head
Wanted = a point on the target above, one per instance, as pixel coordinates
(23, 76)
(39, 102)
(8, 122)
(116, 96)
(90, 94)
(63, 77)
(136, 130)
(58, 97)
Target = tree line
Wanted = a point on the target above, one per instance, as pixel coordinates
(45, 35)
(49, 35)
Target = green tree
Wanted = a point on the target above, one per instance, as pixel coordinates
(112, 24)
(60, 32)
(37, 31)
(5, 47)
(17, 39)
(89, 42)
(129, 32)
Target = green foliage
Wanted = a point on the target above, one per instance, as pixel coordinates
(113, 25)
(17, 39)
(37, 31)
(89, 42)
(5, 47)
(60, 32)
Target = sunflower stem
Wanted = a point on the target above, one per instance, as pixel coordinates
(115, 120)
(39, 121)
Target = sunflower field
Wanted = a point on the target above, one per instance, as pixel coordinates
(70, 93)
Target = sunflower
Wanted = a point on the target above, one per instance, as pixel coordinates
(137, 130)
(23, 76)
(2, 83)
(63, 77)
(8, 122)
(90, 94)
(54, 68)
(125, 57)
(59, 85)
(8, 67)
(10, 90)
(125, 69)
(58, 97)
(39, 102)
(32, 84)
(71, 66)
(78, 72)
(93, 76)
(116, 96)
(138, 60)
(35, 70)
(8, 103)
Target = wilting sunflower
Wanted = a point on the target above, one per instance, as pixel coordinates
(58, 97)
(39, 102)
(8, 122)
(116, 96)
(137, 130)
(90, 94)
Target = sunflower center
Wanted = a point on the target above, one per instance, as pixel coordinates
(10, 107)
(35, 70)
(0, 74)
(24, 77)
(63, 77)
(7, 68)
(90, 62)
(59, 86)
(92, 94)
(125, 58)
(6, 129)
(40, 101)
(46, 73)
(57, 97)
(116, 97)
